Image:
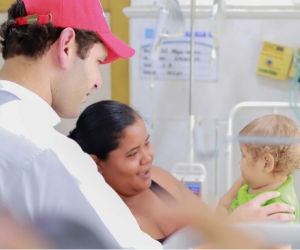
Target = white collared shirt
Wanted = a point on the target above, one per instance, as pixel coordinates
(43, 172)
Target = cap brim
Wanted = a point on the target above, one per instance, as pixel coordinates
(116, 48)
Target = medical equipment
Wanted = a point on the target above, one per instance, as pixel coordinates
(192, 174)
(217, 22)
(170, 25)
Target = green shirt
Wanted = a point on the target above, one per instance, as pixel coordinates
(287, 196)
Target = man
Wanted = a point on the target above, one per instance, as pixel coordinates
(52, 50)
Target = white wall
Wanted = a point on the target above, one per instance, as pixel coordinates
(237, 82)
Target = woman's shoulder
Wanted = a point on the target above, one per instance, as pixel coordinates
(167, 181)
(159, 171)
(160, 175)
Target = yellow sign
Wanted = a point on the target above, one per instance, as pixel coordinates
(275, 61)
(292, 69)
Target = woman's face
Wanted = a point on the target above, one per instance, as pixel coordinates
(128, 168)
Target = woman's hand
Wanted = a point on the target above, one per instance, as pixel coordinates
(254, 211)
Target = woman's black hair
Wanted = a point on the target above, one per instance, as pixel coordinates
(101, 126)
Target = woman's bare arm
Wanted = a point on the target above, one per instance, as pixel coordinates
(198, 215)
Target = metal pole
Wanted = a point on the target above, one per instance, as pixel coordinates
(192, 44)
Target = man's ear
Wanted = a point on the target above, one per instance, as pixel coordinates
(67, 47)
(268, 163)
(98, 163)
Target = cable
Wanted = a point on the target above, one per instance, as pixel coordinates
(294, 88)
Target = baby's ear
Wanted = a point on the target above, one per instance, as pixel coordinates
(98, 163)
(268, 163)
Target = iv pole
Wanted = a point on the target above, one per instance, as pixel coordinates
(187, 171)
(191, 81)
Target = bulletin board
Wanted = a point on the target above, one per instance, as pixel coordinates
(174, 59)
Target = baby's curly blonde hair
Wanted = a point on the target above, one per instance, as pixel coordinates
(286, 157)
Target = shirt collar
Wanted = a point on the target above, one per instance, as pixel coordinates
(48, 114)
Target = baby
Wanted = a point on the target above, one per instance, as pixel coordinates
(266, 167)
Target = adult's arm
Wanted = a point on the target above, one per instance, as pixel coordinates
(199, 216)
(220, 235)
(254, 211)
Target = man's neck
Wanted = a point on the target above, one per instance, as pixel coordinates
(28, 73)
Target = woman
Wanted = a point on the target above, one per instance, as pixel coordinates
(116, 138)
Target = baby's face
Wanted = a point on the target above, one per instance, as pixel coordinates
(249, 167)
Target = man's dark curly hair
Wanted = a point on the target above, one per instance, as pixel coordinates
(34, 40)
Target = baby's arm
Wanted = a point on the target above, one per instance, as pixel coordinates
(225, 203)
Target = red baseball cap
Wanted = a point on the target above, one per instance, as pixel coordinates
(78, 14)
